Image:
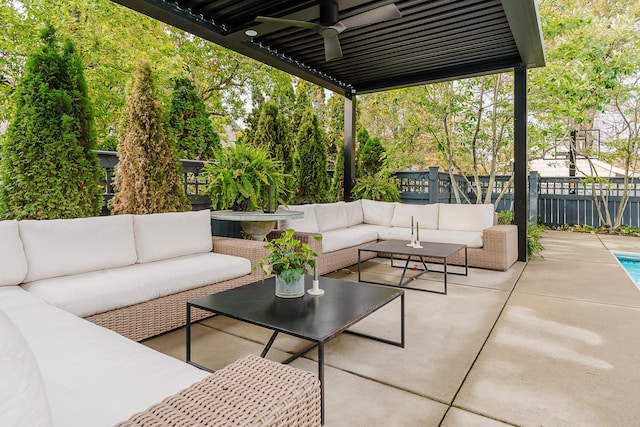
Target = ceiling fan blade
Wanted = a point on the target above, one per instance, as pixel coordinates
(373, 16)
(332, 49)
(289, 23)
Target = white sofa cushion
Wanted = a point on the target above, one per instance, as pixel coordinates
(69, 246)
(93, 376)
(307, 224)
(103, 290)
(173, 234)
(424, 215)
(463, 217)
(378, 213)
(354, 213)
(13, 263)
(331, 216)
(23, 398)
(334, 240)
(472, 239)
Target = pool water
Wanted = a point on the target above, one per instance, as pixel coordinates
(631, 264)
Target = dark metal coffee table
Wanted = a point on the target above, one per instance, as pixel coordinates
(440, 251)
(313, 318)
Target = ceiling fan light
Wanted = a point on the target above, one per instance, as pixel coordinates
(251, 32)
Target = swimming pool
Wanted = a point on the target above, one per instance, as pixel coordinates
(631, 264)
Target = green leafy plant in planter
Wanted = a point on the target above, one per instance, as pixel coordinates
(288, 257)
(243, 178)
(534, 233)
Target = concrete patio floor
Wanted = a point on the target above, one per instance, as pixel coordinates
(553, 342)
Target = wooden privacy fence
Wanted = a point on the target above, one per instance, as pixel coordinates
(552, 201)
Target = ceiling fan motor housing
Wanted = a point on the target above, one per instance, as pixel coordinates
(329, 12)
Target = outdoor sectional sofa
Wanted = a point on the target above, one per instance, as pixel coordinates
(121, 272)
(347, 226)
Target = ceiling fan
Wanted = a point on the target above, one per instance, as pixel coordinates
(329, 26)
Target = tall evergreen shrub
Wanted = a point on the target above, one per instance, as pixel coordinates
(371, 157)
(189, 123)
(148, 175)
(311, 162)
(48, 170)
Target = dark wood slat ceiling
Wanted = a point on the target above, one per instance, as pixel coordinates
(433, 41)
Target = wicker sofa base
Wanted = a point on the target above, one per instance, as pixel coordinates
(249, 392)
(499, 251)
(149, 318)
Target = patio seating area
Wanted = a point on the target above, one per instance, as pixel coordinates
(551, 342)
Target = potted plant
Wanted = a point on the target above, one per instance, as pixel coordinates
(288, 259)
(243, 178)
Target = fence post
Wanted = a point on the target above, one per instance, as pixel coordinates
(434, 185)
(533, 197)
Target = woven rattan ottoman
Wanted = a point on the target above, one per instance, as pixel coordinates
(249, 392)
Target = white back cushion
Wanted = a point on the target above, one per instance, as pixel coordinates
(354, 213)
(331, 216)
(61, 247)
(173, 234)
(424, 215)
(13, 263)
(307, 224)
(23, 399)
(461, 217)
(379, 213)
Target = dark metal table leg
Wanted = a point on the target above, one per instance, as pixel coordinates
(269, 344)
(402, 320)
(321, 377)
(188, 332)
(445, 276)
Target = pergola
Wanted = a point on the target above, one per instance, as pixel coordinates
(432, 41)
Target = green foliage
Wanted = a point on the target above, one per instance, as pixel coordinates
(148, 174)
(242, 177)
(336, 191)
(48, 170)
(380, 186)
(534, 233)
(189, 123)
(311, 162)
(288, 257)
(371, 157)
(505, 217)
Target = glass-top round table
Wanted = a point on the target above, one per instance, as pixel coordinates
(257, 224)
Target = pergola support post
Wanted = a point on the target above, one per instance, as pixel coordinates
(349, 144)
(520, 208)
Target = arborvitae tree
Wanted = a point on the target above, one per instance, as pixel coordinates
(337, 182)
(148, 175)
(370, 157)
(272, 133)
(311, 162)
(48, 170)
(189, 123)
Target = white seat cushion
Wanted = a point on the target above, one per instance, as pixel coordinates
(13, 263)
(424, 215)
(472, 239)
(331, 216)
(347, 237)
(306, 224)
(462, 217)
(61, 247)
(103, 290)
(354, 213)
(92, 375)
(173, 234)
(378, 213)
(23, 398)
